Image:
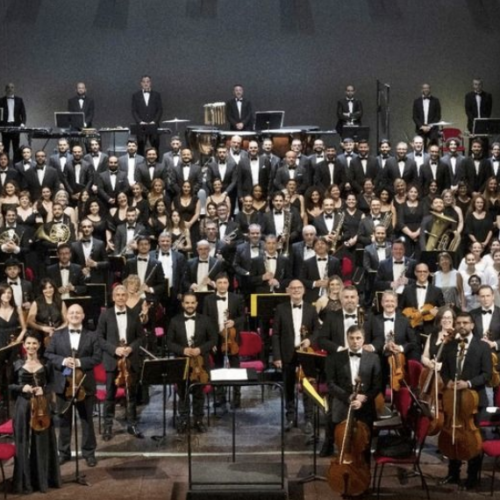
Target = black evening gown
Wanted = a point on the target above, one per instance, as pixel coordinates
(36, 465)
(8, 356)
(410, 217)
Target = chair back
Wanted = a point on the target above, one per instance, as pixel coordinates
(251, 344)
(100, 374)
(413, 372)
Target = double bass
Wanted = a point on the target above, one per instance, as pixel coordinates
(349, 473)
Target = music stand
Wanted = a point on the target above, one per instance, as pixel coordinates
(313, 366)
(265, 120)
(143, 129)
(355, 133)
(486, 126)
(164, 372)
(264, 304)
(68, 120)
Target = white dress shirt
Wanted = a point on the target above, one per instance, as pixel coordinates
(190, 327)
(297, 323)
(121, 321)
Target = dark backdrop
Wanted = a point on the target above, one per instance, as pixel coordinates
(295, 55)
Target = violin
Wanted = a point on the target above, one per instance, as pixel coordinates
(349, 473)
(418, 317)
(397, 363)
(198, 371)
(40, 411)
(123, 366)
(460, 438)
(495, 375)
(74, 383)
(229, 343)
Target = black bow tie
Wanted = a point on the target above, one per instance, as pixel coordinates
(239, 100)
(186, 165)
(120, 312)
(278, 212)
(425, 98)
(299, 306)
(399, 262)
(292, 168)
(38, 167)
(255, 247)
(3, 171)
(354, 354)
(222, 223)
(75, 331)
(346, 316)
(12, 282)
(380, 246)
(113, 172)
(384, 157)
(147, 91)
(165, 254)
(376, 218)
(488, 311)
(27, 163)
(271, 258)
(328, 216)
(175, 154)
(187, 318)
(64, 268)
(465, 341)
(418, 154)
(63, 155)
(389, 319)
(142, 259)
(422, 286)
(348, 155)
(321, 259)
(434, 163)
(131, 156)
(130, 227)
(203, 262)
(85, 241)
(221, 298)
(95, 155)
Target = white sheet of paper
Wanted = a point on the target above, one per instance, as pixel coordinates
(227, 374)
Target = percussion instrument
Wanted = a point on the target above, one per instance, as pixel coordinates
(201, 138)
(215, 113)
(246, 136)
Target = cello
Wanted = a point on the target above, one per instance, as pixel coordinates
(460, 438)
(349, 474)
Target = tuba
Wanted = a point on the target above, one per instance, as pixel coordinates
(439, 235)
(59, 233)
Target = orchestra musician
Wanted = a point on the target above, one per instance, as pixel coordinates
(22, 289)
(293, 318)
(349, 110)
(427, 111)
(96, 157)
(13, 113)
(68, 277)
(478, 103)
(239, 112)
(120, 334)
(444, 323)
(487, 318)
(72, 348)
(192, 335)
(81, 102)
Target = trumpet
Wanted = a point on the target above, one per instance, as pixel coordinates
(180, 241)
(127, 247)
(228, 238)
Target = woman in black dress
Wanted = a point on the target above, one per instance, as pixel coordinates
(366, 196)
(478, 222)
(36, 465)
(259, 201)
(313, 201)
(99, 221)
(352, 218)
(492, 198)
(410, 217)
(118, 214)
(26, 214)
(188, 205)
(463, 200)
(181, 237)
(47, 312)
(158, 221)
(138, 201)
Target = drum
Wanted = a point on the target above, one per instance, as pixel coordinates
(246, 136)
(215, 113)
(282, 139)
(203, 139)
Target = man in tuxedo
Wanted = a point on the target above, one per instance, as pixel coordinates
(304, 249)
(147, 109)
(478, 103)
(345, 159)
(235, 149)
(7, 173)
(364, 166)
(186, 170)
(343, 371)
(108, 184)
(14, 115)
(252, 171)
(82, 103)
(268, 155)
(19, 236)
(282, 222)
(172, 158)
(202, 270)
(295, 322)
(90, 254)
(239, 112)
(147, 172)
(318, 269)
(318, 153)
(400, 167)
(245, 253)
(487, 318)
(247, 216)
(68, 277)
(129, 162)
(435, 170)
(71, 348)
(466, 365)
(329, 171)
(191, 334)
(226, 228)
(290, 170)
(477, 169)
(96, 157)
(58, 161)
(22, 289)
(494, 160)
(41, 176)
(349, 110)
(426, 111)
(149, 270)
(226, 247)
(125, 239)
(226, 170)
(80, 173)
(454, 161)
(226, 310)
(27, 162)
(327, 223)
(120, 333)
(372, 221)
(395, 272)
(419, 156)
(384, 150)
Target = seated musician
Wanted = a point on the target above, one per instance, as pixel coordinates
(444, 322)
(226, 311)
(68, 277)
(72, 348)
(293, 329)
(192, 335)
(120, 333)
(473, 361)
(420, 293)
(342, 370)
(22, 289)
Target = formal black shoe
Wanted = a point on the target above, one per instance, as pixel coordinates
(308, 427)
(471, 484)
(220, 403)
(134, 431)
(326, 449)
(182, 428)
(235, 403)
(288, 425)
(200, 427)
(91, 461)
(63, 459)
(449, 480)
(107, 435)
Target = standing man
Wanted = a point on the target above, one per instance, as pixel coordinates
(82, 103)
(120, 333)
(478, 103)
(349, 110)
(12, 114)
(75, 347)
(147, 110)
(239, 112)
(427, 110)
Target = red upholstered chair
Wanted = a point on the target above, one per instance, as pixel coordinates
(452, 133)
(6, 429)
(413, 459)
(100, 393)
(413, 370)
(250, 353)
(491, 448)
(7, 452)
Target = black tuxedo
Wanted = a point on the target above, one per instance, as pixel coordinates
(154, 277)
(99, 162)
(367, 228)
(458, 174)
(442, 176)
(433, 116)
(178, 260)
(244, 220)
(434, 296)
(494, 325)
(10, 174)
(471, 107)
(258, 268)
(355, 116)
(22, 169)
(233, 116)
(76, 278)
(215, 266)
(89, 353)
(105, 188)
(168, 159)
(331, 335)
(120, 239)
(302, 178)
(245, 181)
(123, 162)
(98, 253)
(143, 175)
(338, 376)
(230, 178)
(62, 172)
(320, 223)
(323, 178)
(82, 181)
(310, 274)
(385, 273)
(268, 225)
(176, 178)
(50, 180)
(371, 260)
(26, 288)
(360, 173)
(19, 118)
(25, 235)
(476, 182)
(243, 261)
(147, 113)
(297, 255)
(87, 108)
(392, 172)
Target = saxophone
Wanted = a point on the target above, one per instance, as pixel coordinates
(336, 229)
(285, 236)
(387, 220)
